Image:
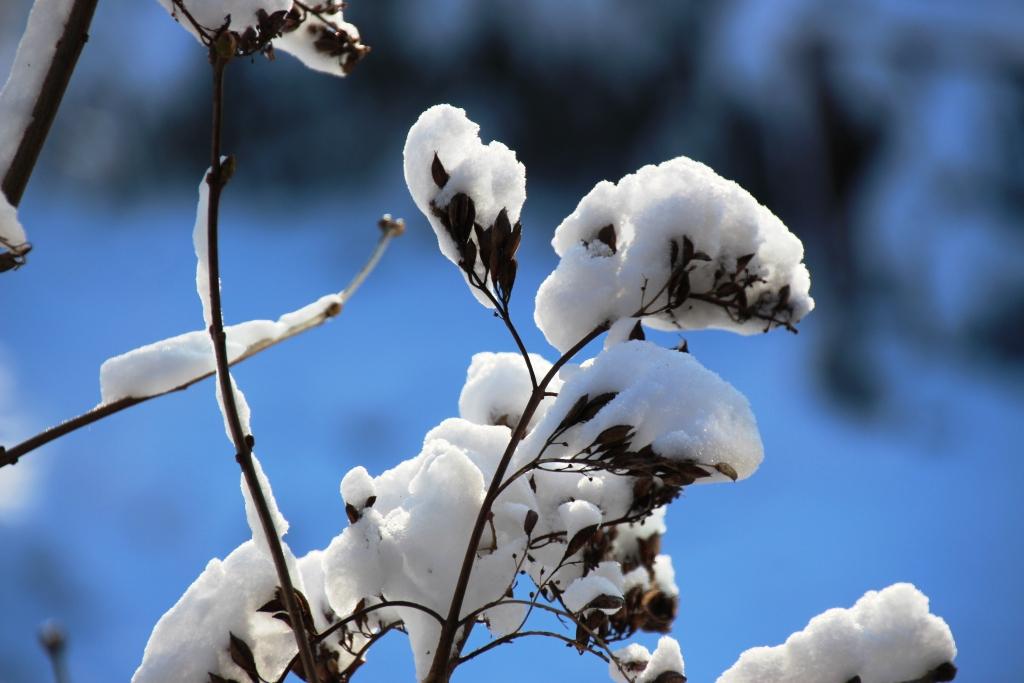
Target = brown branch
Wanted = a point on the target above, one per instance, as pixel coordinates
(359, 614)
(243, 442)
(506, 317)
(11, 455)
(55, 83)
(565, 614)
(522, 634)
(357, 656)
(440, 667)
(506, 600)
(54, 642)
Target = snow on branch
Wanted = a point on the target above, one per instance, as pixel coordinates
(586, 534)
(231, 623)
(37, 51)
(472, 194)
(640, 409)
(46, 56)
(680, 248)
(664, 666)
(13, 242)
(888, 636)
(316, 34)
(216, 629)
(320, 38)
(498, 386)
(178, 362)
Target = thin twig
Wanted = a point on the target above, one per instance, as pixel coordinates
(373, 608)
(388, 229)
(357, 656)
(506, 317)
(11, 456)
(522, 634)
(55, 83)
(566, 614)
(439, 668)
(54, 642)
(243, 442)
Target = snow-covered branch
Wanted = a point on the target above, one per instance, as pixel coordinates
(888, 636)
(47, 53)
(316, 34)
(176, 363)
(13, 243)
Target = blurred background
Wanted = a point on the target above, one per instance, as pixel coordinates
(889, 135)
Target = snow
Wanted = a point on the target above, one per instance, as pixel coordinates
(578, 515)
(301, 43)
(351, 564)
(498, 388)
(665, 575)
(192, 639)
(252, 515)
(170, 363)
(200, 237)
(887, 636)
(212, 14)
(584, 590)
(489, 174)
(35, 52)
(609, 273)
(652, 524)
(11, 232)
(427, 539)
(632, 658)
(666, 658)
(357, 487)
(505, 619)
(682, 410)
(159, 367)
(637, 659)
(311, 571)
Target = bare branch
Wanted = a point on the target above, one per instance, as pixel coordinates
(54, 642)
(522, 634)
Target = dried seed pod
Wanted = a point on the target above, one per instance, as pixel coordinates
(438, 172)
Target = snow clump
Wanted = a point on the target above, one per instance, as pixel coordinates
(451, 173)
(498, 388)
(679, 247)
(887, 636)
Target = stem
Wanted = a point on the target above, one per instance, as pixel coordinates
(562, 614)
(522, 348)
(357, 656)
(55, 83)
(54, 642)
(522, 634)
(11, 456)
(439, 668)
(243, 442)
(506, 317)
(373, 608)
